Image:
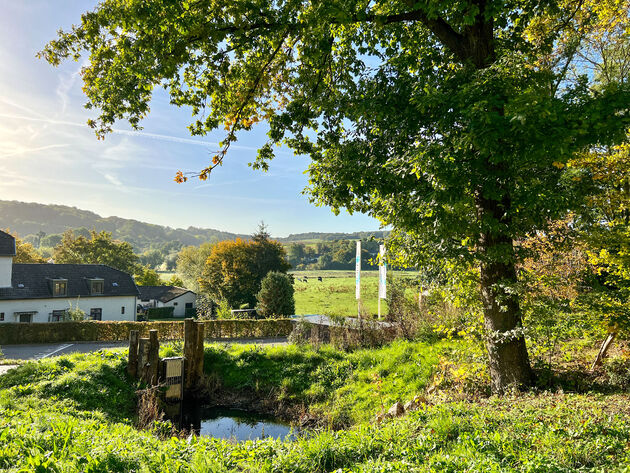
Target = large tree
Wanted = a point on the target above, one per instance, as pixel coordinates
(449, 120)
(99, 248)
(234, 270)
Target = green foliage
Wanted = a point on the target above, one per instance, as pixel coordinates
(338, 386)
(16, 333)
(24, 252)
(275, 297)
(235, 269)
(461, 117)
(75, 414)
(148, 277)
(160, 312)
(99, 248)
(75, 313)
(191, 261)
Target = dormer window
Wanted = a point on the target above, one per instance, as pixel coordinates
(60, 287)
(97, 286)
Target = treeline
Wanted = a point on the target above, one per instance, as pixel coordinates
(157, 246)
(43, 226)
(337, 254)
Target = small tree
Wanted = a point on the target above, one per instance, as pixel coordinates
(148, 277)
(74, 313)
(276, 295)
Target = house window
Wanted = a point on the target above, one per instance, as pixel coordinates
(26, 317)
(96, 314)
(174, 303)
(1, 316)
(97, 286)
(189, 305)
(60, 287)
(58, 315)
(122, 310)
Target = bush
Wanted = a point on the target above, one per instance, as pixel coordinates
(160, 312)
(276, 295)
(89, 330)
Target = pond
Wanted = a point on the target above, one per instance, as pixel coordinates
(226, 423)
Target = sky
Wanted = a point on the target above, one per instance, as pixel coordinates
(49, 155)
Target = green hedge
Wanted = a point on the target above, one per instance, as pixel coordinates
(160, 312)
(87, 331)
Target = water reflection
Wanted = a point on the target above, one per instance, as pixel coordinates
(220, 422)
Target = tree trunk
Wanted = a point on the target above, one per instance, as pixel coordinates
(507, 352)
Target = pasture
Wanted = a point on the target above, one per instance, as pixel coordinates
(335, 294)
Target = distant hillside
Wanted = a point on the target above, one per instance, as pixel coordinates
(315, 236)
(28, 219)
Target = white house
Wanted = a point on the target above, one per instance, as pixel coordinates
(179, 298)
(43, 292)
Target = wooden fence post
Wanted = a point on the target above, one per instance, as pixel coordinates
(199, 350)
(154, 358)
(190, 342)
(143, 359)
(132, 365)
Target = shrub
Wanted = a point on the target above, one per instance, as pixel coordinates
(160, 312)
(75, 313)
(275, 297)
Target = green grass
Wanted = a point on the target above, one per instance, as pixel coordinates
(75, 414)
(341, 388)
(335, 294)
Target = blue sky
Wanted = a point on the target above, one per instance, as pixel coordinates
(49, 155)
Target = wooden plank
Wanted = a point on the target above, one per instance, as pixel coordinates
(132, 364)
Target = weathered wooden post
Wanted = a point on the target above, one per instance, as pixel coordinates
(154, 358)
(193, 353)
(143, 359)
(132, 365)
(199, 349)
(190, 342)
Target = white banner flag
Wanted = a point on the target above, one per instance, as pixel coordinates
(358, 270)
(382, 274)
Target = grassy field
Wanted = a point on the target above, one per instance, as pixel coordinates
(76, 414)
(335, 294)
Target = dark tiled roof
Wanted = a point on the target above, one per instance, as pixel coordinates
(33, 281)
(161, 293)
(7, 244)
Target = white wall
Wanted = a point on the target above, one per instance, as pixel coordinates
(111, 307)
(180, 303)
(6, 268)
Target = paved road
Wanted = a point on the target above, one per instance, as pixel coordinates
(39, 351)
(45, 350)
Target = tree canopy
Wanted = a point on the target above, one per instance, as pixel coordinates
(25, 252)
(235, 269)
(452, 121)
(98, 249)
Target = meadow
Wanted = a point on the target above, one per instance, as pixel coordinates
(76, 414)
(335, 294)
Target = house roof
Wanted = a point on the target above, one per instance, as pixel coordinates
(161, 293)
(7, 244)
(34, 281)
